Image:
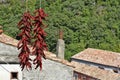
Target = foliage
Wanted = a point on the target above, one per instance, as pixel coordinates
(86, 23)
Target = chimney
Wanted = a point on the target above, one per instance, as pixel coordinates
(60, 45)
(1, 31)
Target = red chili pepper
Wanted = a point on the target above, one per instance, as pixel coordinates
(25, 27)
(39, 45)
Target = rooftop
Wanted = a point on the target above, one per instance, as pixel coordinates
(95, 72)
(14, 58)
(99, 56)
(8, 40)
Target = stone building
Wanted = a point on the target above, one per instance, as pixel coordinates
(96, 64)
(9, 68)
(53, 67)
(103, 59)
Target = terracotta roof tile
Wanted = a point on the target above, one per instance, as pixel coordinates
(8, 40)
(99, 56)
(95, 72)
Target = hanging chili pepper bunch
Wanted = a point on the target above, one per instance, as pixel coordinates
(25, 27)
(39, 45)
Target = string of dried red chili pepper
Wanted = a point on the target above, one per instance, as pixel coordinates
(39, 45)
(25, 26)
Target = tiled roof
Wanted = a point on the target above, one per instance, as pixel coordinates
(99, 56)
(95, 72)
(11, 41)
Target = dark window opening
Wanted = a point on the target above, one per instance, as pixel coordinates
(75, 76)
(14, 75)
(116, 71)
(84, 78)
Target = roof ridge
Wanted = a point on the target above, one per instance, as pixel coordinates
(103, 50)
(8, 40)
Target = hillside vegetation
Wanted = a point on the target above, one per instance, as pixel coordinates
(86, 23)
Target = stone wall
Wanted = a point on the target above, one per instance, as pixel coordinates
(8, 49)
(51, 70)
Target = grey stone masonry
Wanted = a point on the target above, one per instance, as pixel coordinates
(51, 70)
(8, 49)
(60, 48)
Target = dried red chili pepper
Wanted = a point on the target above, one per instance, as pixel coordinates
(39, 45)
(25, 26)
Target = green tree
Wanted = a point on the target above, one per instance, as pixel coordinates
(86, 23)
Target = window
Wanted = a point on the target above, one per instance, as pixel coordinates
(75, 76)
(84, 78)
(116, 71)
(14, 75)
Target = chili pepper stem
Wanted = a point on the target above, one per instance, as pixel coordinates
(40, 4)
(26, 5)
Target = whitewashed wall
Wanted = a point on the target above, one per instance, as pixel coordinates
(6, 69)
